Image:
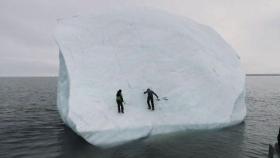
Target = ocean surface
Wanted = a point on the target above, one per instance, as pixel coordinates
(30, 127)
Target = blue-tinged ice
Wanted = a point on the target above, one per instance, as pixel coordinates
(136, 49)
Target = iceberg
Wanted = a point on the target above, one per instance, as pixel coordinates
(135, 49)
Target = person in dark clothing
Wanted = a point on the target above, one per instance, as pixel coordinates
(120, 101)
(150, 98)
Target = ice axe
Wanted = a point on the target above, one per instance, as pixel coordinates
(163, 98)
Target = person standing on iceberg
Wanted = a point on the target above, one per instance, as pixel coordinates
(120, 101)
(150, 98)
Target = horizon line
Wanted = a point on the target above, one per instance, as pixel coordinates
(248, 74)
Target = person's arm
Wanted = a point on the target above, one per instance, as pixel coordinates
(155, 94)
(122, 98)
(145, 92)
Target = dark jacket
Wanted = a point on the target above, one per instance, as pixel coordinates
(119, 97)
(150, 93)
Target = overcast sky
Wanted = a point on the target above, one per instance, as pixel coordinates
(27, 46)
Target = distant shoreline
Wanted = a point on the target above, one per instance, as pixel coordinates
(262, 74)
(28, 76)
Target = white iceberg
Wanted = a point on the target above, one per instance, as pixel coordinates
(136, 49)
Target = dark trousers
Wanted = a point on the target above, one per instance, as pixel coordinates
(150, 102)
(120, 107)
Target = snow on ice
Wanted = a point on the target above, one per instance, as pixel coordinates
(136, 49)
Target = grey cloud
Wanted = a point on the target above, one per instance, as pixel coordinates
(27, 28)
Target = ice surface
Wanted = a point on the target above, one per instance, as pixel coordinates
(133, 49)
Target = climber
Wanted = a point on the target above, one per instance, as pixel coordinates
(150, 98)
(120, 101)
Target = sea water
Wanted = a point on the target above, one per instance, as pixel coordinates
(31, 127)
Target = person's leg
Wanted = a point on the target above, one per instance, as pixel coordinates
(122, 107)
(148, 102)
(153, 107)
(119, 108)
